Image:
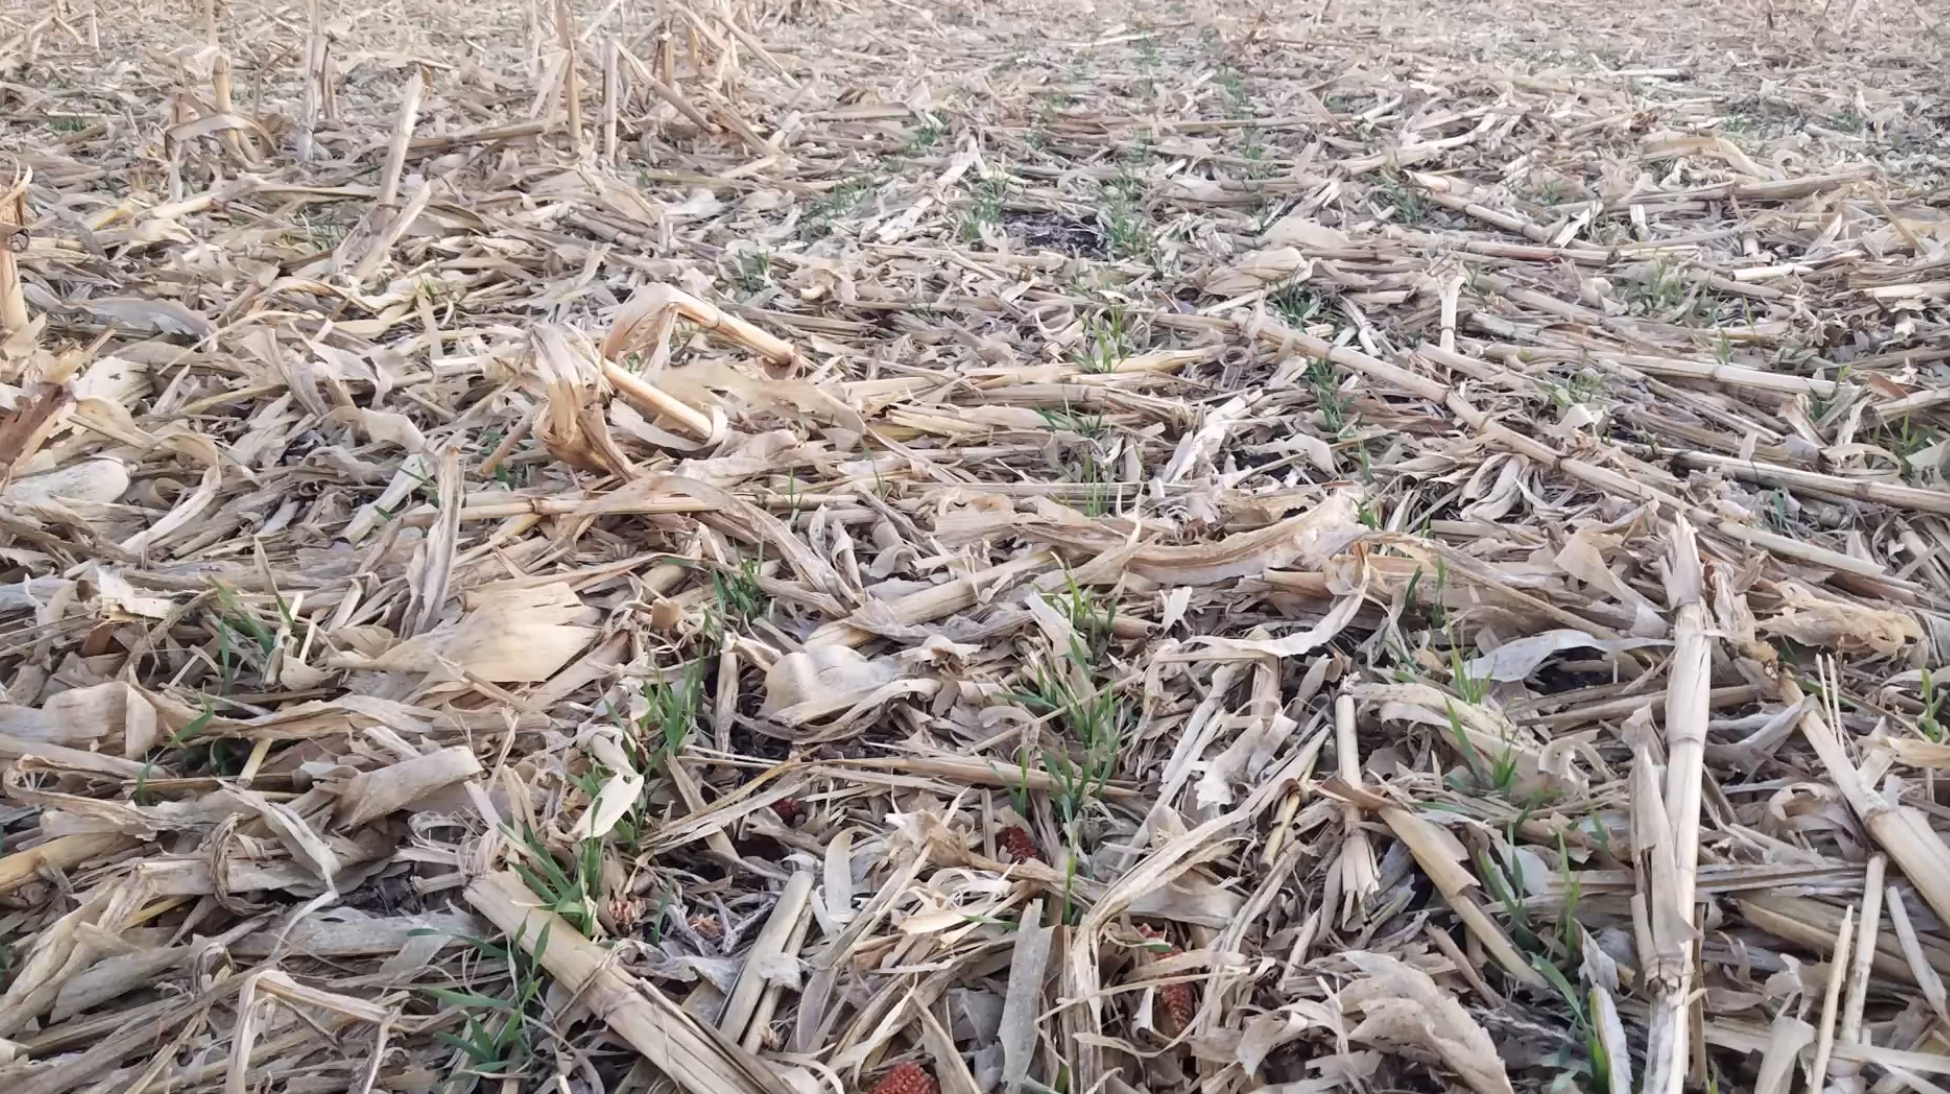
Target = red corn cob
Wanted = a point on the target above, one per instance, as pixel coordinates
(907, 1079)
(1180, 1005)
(1178, 1001)
(1017, 841)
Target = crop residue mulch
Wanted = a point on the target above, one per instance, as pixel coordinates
(869, 545)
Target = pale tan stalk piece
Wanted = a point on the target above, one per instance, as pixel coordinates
(767, 949)
(1921, 969)
(1675, 850)
(1359, 875)
(694, 1056)
(571, 76)
(1869, 928)
(1825, 1031)
(14, 318)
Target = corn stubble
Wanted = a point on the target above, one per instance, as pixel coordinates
(745, 547)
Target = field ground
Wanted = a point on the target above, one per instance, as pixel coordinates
(909, 546)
